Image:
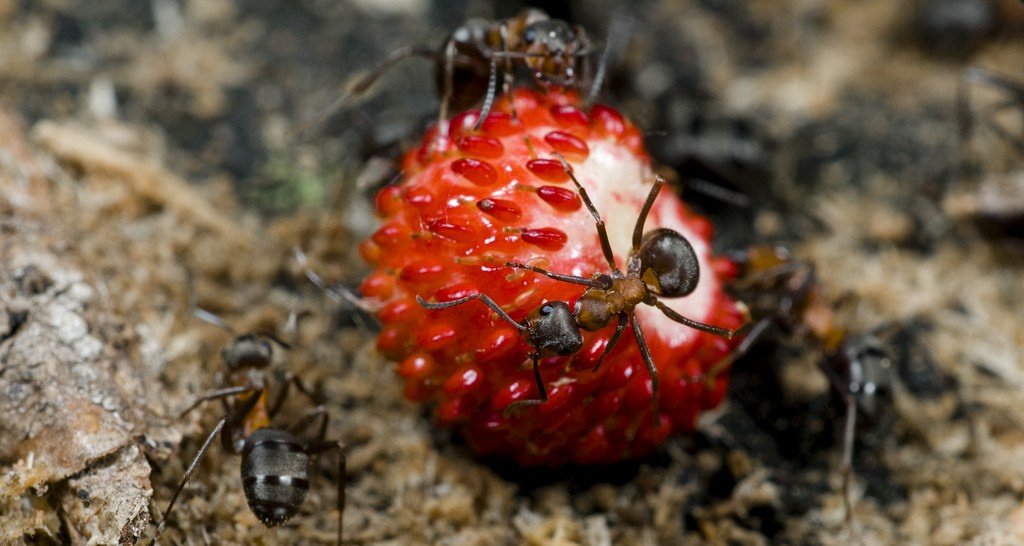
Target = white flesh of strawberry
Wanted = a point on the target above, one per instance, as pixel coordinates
(618, 182)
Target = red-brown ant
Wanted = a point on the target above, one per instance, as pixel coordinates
(275, 463)
(661, 264)
(784, 292)
(555, 52)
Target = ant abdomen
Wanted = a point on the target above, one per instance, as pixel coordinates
(668, 264)
(275, 475)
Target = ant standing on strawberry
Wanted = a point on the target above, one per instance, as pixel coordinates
(661, 263)
(467, 64)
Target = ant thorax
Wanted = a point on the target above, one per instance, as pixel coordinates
(596, 307)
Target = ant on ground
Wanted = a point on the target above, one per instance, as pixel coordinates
(785, 294)
(275, 464)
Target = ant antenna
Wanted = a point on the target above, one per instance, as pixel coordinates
(338, 294)
(618, 37)
(211, 318)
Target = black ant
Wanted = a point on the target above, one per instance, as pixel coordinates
(555, 52)
(275, 463)
(784, 292)
(661, 264)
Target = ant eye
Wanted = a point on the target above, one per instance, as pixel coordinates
(546, 310)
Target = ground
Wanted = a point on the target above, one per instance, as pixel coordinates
(157, 153)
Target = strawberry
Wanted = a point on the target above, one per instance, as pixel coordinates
(475, 199)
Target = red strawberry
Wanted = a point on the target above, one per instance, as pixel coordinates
(480, 198)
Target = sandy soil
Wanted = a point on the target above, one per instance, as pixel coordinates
(149, 158)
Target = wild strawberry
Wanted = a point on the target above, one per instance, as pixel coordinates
(475, 200)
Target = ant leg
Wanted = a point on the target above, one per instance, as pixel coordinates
(287, 380)
(602, 233)
(619, 328)
(718, 192)
(214, 395)
(366, 82)
(638, 230)
(321, 447)
(652, 370)
(509, 73)
(282, 394)
(1015, 91)
(482, 297)
(752, 337)
(188, 474)
(670, 313)
(1011, 87)
(492, 80)
(308, 419)
(849, 431)
(446, 94)
(964, 120)
(391, 60)
(620, 27)
(337, 294)
(540, 389)
(492, 90)
(558, 276)
(239, 415)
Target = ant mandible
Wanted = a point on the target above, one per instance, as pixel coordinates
(661, 264)
(275, 464)
(555, 52)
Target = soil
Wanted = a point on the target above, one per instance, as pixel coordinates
(158, 156)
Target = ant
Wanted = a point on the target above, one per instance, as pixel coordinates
(555, 52)
(859, 368)
(661, 264)
(275, 463)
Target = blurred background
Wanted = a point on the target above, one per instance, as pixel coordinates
(855, 132)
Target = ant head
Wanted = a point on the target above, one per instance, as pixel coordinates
(552, 330)
(551, 46)
(248, 351)
(869, 369)
(668, 264)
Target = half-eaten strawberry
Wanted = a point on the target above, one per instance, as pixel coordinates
(471, 203)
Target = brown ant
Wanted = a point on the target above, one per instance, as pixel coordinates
(661, 264)
(275, 462)
(555, 52)
(784, 292)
